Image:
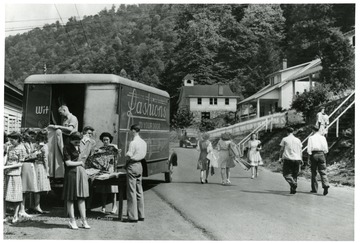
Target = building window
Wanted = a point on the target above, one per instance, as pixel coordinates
(215, 101)
(272, 80)
(205, 115)
(227, 101)
(199, 101)
(211, 101)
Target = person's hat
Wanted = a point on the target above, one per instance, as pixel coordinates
(75, 136)
(106, 134)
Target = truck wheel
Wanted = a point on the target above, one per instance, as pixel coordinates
(168, 175)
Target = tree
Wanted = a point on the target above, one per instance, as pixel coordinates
(183, 118)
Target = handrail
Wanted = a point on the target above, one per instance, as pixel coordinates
(337, 118)
(332, 113)
(253, 131)
(342, 103)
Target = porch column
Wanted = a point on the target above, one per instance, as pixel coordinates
(258, 108)
(310, 82)
(294, 90)
(240, 111)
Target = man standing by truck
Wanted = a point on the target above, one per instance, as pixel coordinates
(135, 196)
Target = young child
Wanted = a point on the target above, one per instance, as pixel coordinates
(12, 183)
(41, 168)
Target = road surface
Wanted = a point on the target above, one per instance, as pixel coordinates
(248, 209)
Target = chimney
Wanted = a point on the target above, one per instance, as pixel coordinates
(221, 89)
(284, 64)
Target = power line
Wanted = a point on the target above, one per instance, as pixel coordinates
(83, 29)
(67, 31)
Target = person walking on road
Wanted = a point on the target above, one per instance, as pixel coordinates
(254, 147)
(317, 148)
(224, 158)
(205, 147)
(135, 196)
(290, 155)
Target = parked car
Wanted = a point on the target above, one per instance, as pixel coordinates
(188, 140)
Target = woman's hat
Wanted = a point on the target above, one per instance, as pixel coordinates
(106, 134)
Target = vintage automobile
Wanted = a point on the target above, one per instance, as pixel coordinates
(188, 139)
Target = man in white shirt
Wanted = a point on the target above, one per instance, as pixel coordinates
(134, 156)
(69, 122)
(291, 155)
(317, 148)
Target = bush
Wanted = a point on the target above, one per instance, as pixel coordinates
(207, 125)
(308, 101)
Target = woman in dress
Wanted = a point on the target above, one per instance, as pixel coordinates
(28, 174)
(13, 192)
(41, 168)
(76, 186)
(105, 190)
(224, 158)
(205, 147)
(254, 147)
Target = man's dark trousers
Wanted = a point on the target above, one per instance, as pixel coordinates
(318, 163)
(291, 171)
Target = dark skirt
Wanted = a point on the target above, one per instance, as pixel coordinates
(70, 191)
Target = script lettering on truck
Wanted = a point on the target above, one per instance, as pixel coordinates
(151, 112)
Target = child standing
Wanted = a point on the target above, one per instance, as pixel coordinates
(12, 183)
(41, 168)
(254, 157)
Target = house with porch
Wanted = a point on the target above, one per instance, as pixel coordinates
(282, 87)
(206, 101)
(13, 99)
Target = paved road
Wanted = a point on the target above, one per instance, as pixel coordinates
(258, 209)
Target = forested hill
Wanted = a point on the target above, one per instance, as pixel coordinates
(237, 44)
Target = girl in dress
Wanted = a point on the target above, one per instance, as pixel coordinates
(76, 186)
(254, 147)
(224, 158)
(12, 182)
(28, 174)
(205, 147)
(41, 168)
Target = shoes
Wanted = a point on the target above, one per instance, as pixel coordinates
(15, 220)
(202, 181)
(326, 190)
(73, 225)
(114, 210)
(223, 183)
(85, 225)
(293, 190)
(129, 221)
(312, 191)
(252, 177)
(25, 215)
(228, 182)
(103, 210)
(37, 211)
(206, 181)
(141, 219)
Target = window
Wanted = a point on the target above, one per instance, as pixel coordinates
(272, 81)
(227, 101)
(211, 101)
(215, 101)
(205, 115)
(199, 101)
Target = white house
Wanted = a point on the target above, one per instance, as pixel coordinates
(206, 101)
(282, 87)
(13, 98)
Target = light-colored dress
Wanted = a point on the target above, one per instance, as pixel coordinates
(204, 147)
(253, 154)
(224, 154)
(41, 162)
(12, 181)
(28, 173)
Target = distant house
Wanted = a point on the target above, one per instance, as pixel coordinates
(13, 98)
(206, 101)
(282, 87)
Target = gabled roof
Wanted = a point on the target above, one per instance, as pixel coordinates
(311, 67)
(206, 91)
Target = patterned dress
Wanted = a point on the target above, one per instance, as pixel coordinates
(224, 154)
(12, 182)
(254, 154)
(43, 182)
(203, 162)
(28, 174)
